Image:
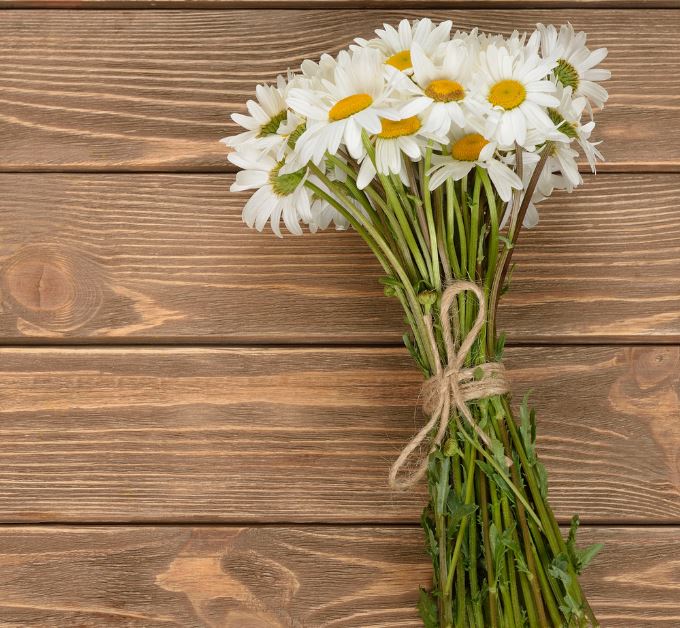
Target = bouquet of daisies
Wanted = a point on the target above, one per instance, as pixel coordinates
(436, 148)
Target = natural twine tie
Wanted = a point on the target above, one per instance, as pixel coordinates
(452, 385)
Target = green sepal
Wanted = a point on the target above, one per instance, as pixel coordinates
(427, 607)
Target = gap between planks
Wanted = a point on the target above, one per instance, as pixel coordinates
(227, 5)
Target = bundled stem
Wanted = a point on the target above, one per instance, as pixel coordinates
(499, 558)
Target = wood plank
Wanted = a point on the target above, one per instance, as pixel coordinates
(145, 90)
(279, 577)
(308, 435)
(332, 4)
(148, 258)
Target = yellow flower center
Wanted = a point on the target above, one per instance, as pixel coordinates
(468, 147)
(507, 94)
(347, 107)
(400, 60)
(443, 90)
(397, 128)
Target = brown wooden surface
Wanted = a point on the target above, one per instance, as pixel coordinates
(147, 258)
(327, 4)
(276, 435)
(157, 86)
(164, 442)
(279, 577)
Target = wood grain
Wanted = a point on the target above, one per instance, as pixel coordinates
(166, 258)
(332, 4)
(145, 90)
(308, 435)
(281, 577)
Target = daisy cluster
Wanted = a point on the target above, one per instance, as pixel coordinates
(424, 106)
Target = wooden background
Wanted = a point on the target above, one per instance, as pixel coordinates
(197, 420)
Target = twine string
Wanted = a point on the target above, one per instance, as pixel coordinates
(452, 385)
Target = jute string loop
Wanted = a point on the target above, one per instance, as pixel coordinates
(452, 385)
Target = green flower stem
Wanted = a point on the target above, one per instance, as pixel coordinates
(350, 183)
(503, 576)
(521, 515)
(427, 198)
(509, 524)
(488, 553)
(396, 207)
(383, 253)
(550, 527)
(496, 467)
(469, 492)
(464, 204)
(546, 588)
(474, 229)
(451, 207)
(418, 228)
(493, 235)
(441, 233)
(446, 610)
(458, 487)
(474, 577)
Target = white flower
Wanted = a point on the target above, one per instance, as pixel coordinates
(567, 119)
(396, 141)
(469, 149)
(575, 62)
(277, 195)
(439, 89)
(396, 45)
(513, 84)
(354, 100)
(323, 214)
(266, 114)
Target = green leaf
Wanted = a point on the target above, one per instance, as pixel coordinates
(511, 543)
(430, 538)
(498, 452)
(508, 244)
(451, 448)
(388, 280)
(417, 201)
(457, 510)
(500, 346)
(527, 428)
(408, 343)
(587, 554)
(427, 607)
(506, 285)
(559, 569)
(500, 483)
(542, 478)
(571, 608)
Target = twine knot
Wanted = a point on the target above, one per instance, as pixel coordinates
(452, 385)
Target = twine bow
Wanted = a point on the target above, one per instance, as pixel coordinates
(452, 385)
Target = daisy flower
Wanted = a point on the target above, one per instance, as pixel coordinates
(341, 108)
(438, 90)
(323, 214)
(266, 114)
(514, 87)
(567, 119)
(396, 141)
(469, 149)
(276, 195)
(575, 62)
(396, 44)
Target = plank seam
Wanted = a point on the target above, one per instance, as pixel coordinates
(293, 524)
(321, 346)
(671, 170)
(478, 5)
